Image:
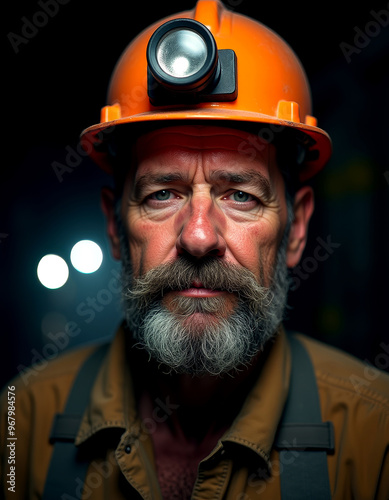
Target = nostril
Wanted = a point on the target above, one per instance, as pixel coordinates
(214, 253)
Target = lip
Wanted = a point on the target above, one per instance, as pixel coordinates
(199, 292)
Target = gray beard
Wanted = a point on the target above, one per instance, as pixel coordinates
(225, 344)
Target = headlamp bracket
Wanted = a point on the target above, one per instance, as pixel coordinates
(225, 89)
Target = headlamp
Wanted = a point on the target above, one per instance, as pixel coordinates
(184, 65)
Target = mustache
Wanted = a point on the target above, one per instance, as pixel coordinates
(212, 272)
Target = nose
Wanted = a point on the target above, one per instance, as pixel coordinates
(200, 235)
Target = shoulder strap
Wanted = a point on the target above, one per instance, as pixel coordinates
(303, 439)
(66, 463)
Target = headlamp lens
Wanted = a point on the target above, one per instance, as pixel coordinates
(181, 53)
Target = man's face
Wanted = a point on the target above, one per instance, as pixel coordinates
(202, 226)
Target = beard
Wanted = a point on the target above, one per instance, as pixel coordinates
(203, 336)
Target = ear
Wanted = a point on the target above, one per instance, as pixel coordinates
(302, 209)
(108, 206)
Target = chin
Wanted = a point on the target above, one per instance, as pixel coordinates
(197, 323)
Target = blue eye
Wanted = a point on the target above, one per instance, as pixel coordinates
(162, 195)
(241, 196)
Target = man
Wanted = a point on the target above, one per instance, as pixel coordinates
(193, 398)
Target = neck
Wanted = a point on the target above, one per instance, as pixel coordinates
(196, 406)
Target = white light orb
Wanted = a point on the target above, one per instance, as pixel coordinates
(53, 272)
(86, 256)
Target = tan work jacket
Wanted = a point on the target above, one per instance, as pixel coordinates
(354, 396)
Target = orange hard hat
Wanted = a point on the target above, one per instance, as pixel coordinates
(264, 83)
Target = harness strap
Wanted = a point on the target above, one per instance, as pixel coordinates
(303, 438)
(66, 463)
(65, 428)
(306, 437)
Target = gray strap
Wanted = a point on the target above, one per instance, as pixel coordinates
(65, 428)
(304, 473)
(306, 437)
(67, 464)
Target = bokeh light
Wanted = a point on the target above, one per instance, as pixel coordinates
(86, 256)
(52, 271)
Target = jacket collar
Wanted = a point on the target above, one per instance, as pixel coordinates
(112, 403)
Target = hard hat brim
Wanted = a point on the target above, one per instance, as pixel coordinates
(95, 139)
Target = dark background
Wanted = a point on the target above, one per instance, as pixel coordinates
(55, 86)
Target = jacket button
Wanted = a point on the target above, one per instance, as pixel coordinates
(127, 449)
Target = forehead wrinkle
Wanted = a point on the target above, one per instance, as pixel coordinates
(175, 162)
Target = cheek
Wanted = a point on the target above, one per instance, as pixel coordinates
(151, 244)
(255, 247)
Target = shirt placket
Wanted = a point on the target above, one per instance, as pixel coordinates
(136, 465)
(213, 476)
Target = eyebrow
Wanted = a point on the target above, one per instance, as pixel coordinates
(249, 177)
(152, 179)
